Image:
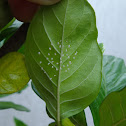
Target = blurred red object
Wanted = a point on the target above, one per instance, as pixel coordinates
(23, 10)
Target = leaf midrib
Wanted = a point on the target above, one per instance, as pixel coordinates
(59, 80)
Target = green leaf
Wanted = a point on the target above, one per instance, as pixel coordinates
(8, 105)
(13, 71)
(67, 122)
(114, 79)
(63, 57)
(22, 49)
(52, 124)
(101, 45)
(79, 119)
(35, 90)
(19, 122)
(3, 95)
(5, 13)
(64, 122)
(113, 109)
(8, 25)
(9, 30)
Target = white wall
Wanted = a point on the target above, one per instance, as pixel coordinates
(111, 23)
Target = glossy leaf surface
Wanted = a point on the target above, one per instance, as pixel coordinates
(63, 57)
(9, 105)
(113, 109)
(114, 79)
(19, 122)
(13, 73)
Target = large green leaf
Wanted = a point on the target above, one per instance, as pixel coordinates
(114, 79)
(19, 122)
(8, 105)
(63, 57)
(13, 73)
(113, 109)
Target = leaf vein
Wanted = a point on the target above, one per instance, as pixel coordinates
(43, 70)
(48, 34)
(42, 51)
(56, 16)
(43, 85)
(80, 43)
(78, 86)
(80, 65)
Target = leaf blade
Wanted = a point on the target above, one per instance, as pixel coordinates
(19, 122)
(13, 71)
(112, 110)
(57, 62)
(114, 77)
(9, 105)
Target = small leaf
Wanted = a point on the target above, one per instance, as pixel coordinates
(67, 122)
(52, 124)
(101, 45)
(64, 122)
(113, 109)
(114, 79)
(9, 30)
(8, 105)
(19, 122)
(79, 119)
(22, 49)
(5, 13)
(13, 73)
(63, 57)
(3, 95)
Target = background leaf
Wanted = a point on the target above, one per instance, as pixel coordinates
(5, 13)
(19, 122)
(3, 95)
(79, 119)
(63, 57)
(114, 79)
(13, 73)
(9, 30)
(113, 109)
(101, 46)
(8, 105)
(52, 124)
(67, 122)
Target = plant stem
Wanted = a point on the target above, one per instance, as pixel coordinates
(58, 124)
(58, 99)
